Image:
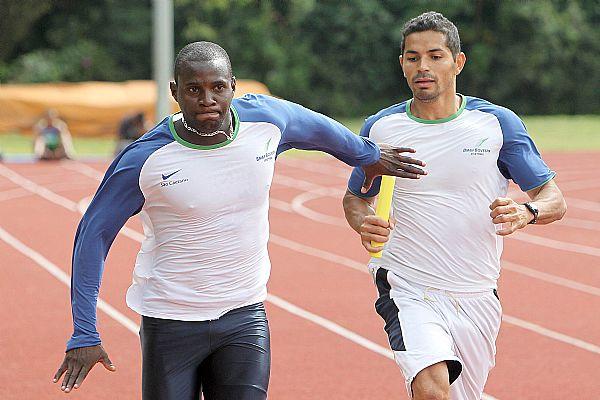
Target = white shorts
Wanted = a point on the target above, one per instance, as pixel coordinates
(426, 326)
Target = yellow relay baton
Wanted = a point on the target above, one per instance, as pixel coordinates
(384, 204)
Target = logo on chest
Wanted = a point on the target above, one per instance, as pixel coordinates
(268, 153)
(480, 149)
(170, 182)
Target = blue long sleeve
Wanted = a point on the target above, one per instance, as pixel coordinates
(117, 199)
(305, 129)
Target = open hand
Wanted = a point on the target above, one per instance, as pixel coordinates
(78, 363)
(393, 163)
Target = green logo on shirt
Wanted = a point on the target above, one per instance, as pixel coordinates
(477, 150)
(268, 154)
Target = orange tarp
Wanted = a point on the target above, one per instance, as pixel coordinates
(88, 108)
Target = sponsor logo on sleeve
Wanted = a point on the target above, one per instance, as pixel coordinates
(268, 154)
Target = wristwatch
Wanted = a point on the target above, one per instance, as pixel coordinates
(534, 210)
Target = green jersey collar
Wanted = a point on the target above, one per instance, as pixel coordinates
(236, 127)
(463, 104)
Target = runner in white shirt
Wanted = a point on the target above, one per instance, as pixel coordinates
(200, 181)
(440, 265)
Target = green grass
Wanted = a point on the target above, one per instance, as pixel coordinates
(565, 133)
(557, 133)
(14, 143)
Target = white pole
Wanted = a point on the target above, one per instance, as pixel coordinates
(163, 54)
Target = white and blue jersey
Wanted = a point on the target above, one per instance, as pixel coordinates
(204, 210)
(444, 237)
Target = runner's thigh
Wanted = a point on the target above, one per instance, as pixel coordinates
(172, 352)
(239, 366)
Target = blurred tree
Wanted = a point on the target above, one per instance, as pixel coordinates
(16, 19)
(82, 61)
(86, 40)
(337, 56)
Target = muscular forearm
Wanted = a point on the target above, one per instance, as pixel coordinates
(550, 203)
(355, 209)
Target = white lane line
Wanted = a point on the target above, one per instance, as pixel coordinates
(63, 277)
(583, 204)
(510, 319)
(14, 194)
(551, 334)
(579, 223)
(280, 205)
(83, 204)
(275, 300)
(330, 257)
(557, 280)
(314, 252)
(134, 328)
(299, 184)
(571, 201)
(298, 247)
(312, 166)
(314, 193)
(83, 169)
(555, 244)
(37, 189)
(299, 207)
(331, 326)
(337, 171)
(350, 263)
(339, 330)
(580, 184)
(132, 234)
(309, 186)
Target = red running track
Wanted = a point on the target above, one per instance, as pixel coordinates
(549, 344)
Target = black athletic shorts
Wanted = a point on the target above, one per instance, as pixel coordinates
(225, 359)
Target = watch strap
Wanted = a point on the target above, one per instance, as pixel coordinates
(533, 210)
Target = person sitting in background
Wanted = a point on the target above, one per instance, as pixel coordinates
(52, 138)
(131, 128)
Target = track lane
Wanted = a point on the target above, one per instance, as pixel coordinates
(394, 367)
(35, 311)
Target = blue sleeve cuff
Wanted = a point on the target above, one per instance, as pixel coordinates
(78, 341)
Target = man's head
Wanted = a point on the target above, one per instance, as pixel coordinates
(204, 85)
(433, 21)
(50, 114)
(431, 57)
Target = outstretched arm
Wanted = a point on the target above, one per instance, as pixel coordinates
(548, 199)
(308, 130)
(117, 199)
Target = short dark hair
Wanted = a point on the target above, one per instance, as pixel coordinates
(433, 21)
(202, 52)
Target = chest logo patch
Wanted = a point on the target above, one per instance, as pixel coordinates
(479, 149)
(170, 182)
(167, 176)
(268, 154)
